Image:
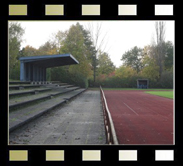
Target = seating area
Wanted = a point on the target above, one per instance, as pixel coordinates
(30, 100)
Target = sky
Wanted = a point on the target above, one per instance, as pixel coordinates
(120, 36)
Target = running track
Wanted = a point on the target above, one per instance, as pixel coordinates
(141, 118)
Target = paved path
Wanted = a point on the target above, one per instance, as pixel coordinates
(78, 122)
(141, 118)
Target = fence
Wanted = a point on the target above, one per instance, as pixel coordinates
(109, 126)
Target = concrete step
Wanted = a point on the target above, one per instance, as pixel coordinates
(15, 93)
(19, 82)
(19, 87)
(53, 82)
(62, 85)
(25, 115)
(66, 86)
(20, 102)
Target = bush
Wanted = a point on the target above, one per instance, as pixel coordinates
(15, 72)
(79, 80)
(166, 80)
(62, 74)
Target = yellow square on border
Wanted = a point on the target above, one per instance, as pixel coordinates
(54, 10)
(127, 155)
(90, 10)
(127, 9)
(91, 155)
(17, 10)
(18, 155)
(54, 155)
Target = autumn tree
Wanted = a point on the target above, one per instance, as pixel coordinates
(47, 48)
(77, 43)
(133, 58)
(150, 69)
(126, 76)
(105, 65)
(15, 38)
(28, 51)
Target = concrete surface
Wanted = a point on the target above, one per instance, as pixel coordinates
(24, 115)
(78, 122)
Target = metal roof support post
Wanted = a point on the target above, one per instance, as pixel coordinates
(44, 74)
(36, 73)
(29, 71)
(22, 71)
(31, 76)
(40, 72)
(33, 73)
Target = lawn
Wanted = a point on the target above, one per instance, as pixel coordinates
(136, 89)
(167, 94)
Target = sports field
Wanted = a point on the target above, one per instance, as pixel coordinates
(141, 118)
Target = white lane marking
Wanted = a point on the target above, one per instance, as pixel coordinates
(130, 108)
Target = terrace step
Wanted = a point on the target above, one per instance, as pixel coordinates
(25, 115)
(24, 101)
(60, 84)
(19, 82)
(16, 93)
(19, 87)
(66, 86)
(53, 82)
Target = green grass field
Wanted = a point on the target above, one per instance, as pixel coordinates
(136, 89)
(167, 94)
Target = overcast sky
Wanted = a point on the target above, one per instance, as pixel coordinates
(121, 35)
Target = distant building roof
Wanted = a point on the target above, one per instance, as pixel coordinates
(48, 61)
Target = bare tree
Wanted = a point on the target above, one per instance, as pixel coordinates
(99, 42)
(158, 52)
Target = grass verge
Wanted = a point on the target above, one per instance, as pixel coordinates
(136, 89)
(167, 94)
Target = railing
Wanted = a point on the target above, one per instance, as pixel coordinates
(111, 137)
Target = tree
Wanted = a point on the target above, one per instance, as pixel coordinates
(15, 38)
(168, 62)
(98, 41)
(57, 39)
(124, 72)
(150, 69)
(75, 43)
(47, 48)
(105, 65)
(28, 51)
(133, 58)
(159, 48)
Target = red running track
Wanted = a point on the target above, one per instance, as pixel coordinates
(141, 118)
